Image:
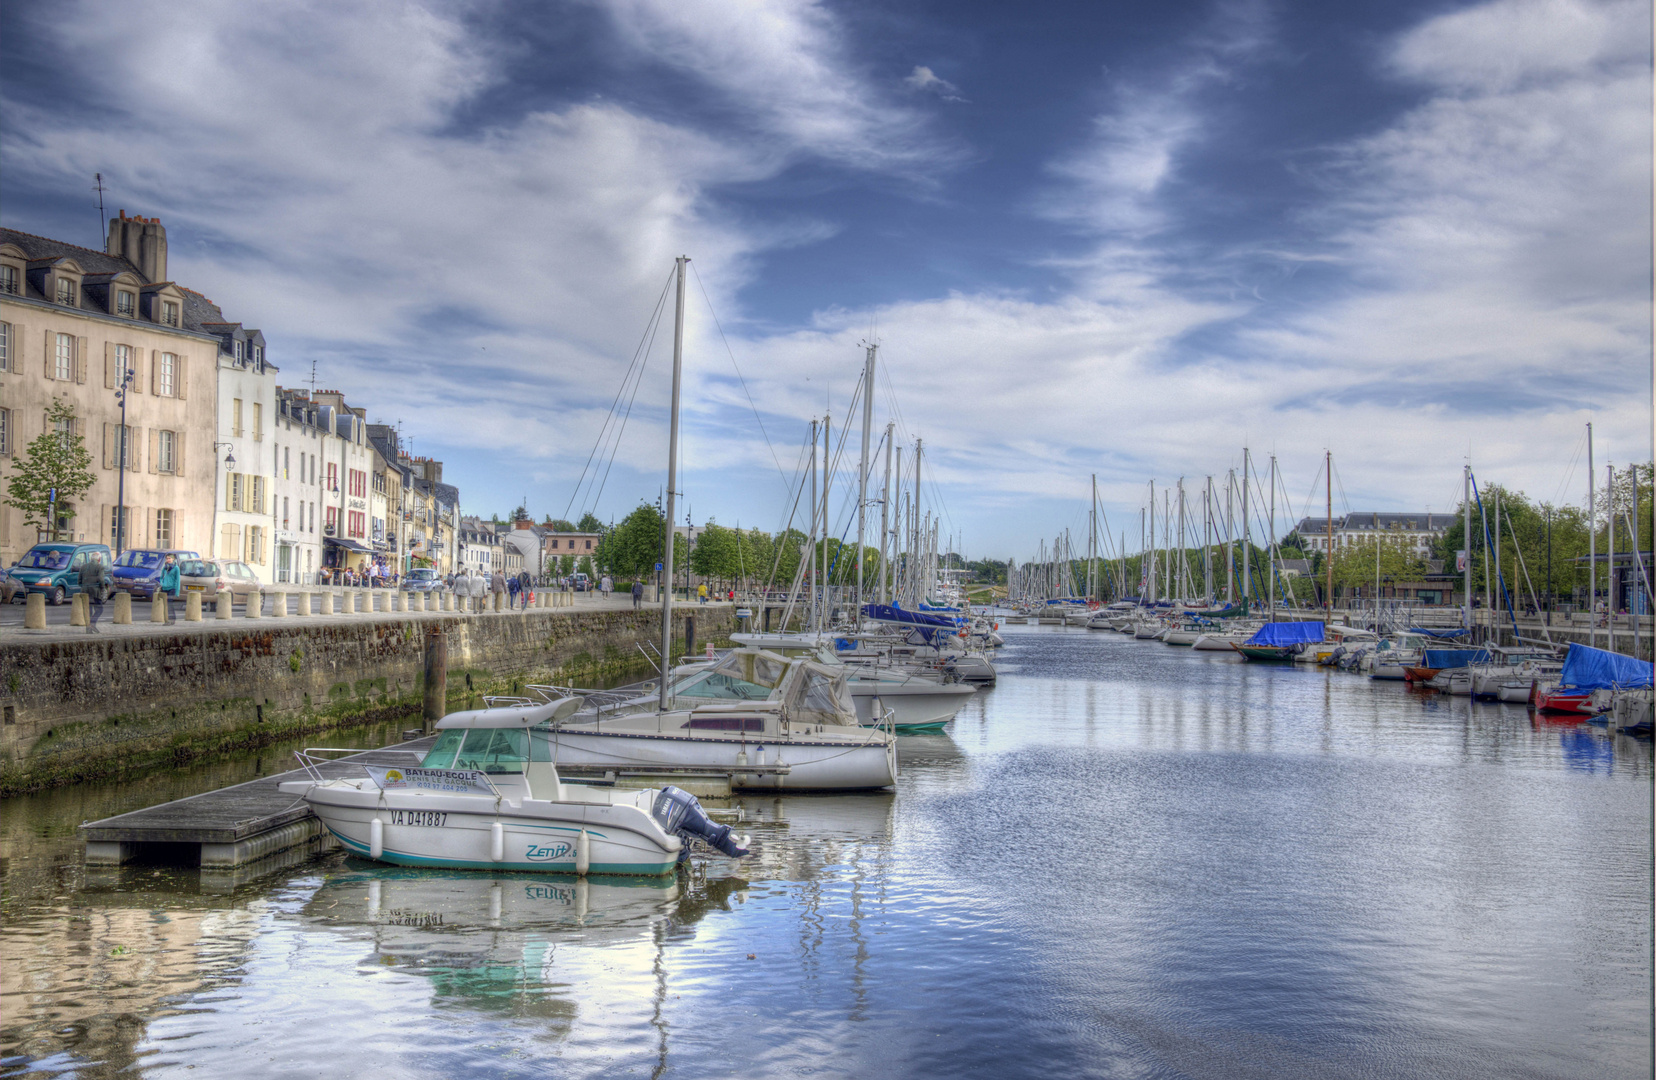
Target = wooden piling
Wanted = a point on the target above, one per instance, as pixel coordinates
(436, 675)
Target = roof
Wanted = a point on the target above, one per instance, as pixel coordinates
(91, 260)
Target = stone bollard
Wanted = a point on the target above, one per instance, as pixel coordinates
(446, 603)
(255, 604)
(224, 602)
(328, 601)
(123, 609)
(34, 611)
(192, 607)
(301, 603)
(158, 607)
(500, 599)
(394, 601)
(78, 606)
(431, 602)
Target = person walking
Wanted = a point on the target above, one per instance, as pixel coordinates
(637, 593)
(523, 586)
(606, 586)
(498, 583)
(169, 584)
(512, 587)
(701, 593)
(91, 583)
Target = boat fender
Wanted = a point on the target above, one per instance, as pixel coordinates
(583, 853)
(678, 813)
(497, 842)
(376, 838)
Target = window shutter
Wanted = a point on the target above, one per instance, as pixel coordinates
(51, 345)
(154, 448)
(180, 381)
(109, 446)
(135, 447)
(178, 453)
(137, 370)
(80, 360)
(109, 365)
(155, 371)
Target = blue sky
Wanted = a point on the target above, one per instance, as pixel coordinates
(1113, 238)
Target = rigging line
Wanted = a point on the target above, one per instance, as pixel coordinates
(649, 333)
(621, 429)
(1341, 485)
(731, 353)
(1569, 475)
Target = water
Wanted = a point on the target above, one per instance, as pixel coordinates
(1126, 860)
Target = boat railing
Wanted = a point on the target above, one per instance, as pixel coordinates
(311, 761)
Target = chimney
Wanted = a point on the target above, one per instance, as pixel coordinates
(140, 241)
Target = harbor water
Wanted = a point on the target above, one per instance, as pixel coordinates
(1124, 860)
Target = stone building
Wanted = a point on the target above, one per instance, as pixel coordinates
(74, 324)
(1420, 529)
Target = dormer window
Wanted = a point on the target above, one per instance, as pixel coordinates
(258, 354)
(9, 279)
(169, 313)
(126, 303)
(237, 348)
(65, 291)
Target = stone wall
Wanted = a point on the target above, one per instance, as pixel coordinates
(108, 705)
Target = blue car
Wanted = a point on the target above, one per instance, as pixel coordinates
(55, 570)
(138, 570)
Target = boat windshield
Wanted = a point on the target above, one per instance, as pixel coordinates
(740, 676)
(441, 756)
(494, 750)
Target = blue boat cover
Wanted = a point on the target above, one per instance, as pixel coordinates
(1438, 633)
(1587, 668)
(1277, 634)
(892, 613)
(1442, 659)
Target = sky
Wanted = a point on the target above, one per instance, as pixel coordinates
(1122, 240)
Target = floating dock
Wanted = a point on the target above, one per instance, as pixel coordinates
(232, 826)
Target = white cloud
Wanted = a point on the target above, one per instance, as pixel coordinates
(928, 81)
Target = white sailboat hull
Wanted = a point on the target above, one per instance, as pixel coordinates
(837, 765)
(912, 704)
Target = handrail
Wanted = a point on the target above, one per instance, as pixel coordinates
(309, 762)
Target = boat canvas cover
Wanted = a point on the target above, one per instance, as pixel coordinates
(1443, 659)
(1437, 633)
(1587, 668)
(1279, 634)
(892, 613)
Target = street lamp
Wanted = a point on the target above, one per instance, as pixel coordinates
(120, 483)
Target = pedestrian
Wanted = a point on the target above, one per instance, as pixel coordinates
(637, 592)
(169, 584)
(91, 583)
(606, 586)
(497, 584)
(523, 586)
(512, 587)
(701, 593)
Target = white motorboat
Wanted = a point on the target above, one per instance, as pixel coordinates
(488, 796)
(1220, 640)
(915, 701)
(763, 720)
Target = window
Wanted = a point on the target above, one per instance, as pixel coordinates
(288, 460)
(5, 346)
(257, 506)
(356, 482)
(236, 417)
(63, 357)
(167, 377)
(236, 347)
(333, 477)
(169, 312)
(123, 364)
(233, 492)
(163, 528)
(123, 444)
(255, 544)
(5, 432)
(164, 459)
(285, 524)
(258, 354)
(65, 291)
(258, 422)
(8, 279)
(117, 516)
(313, 517)
(126, 303)
(333, 520)
(358, 523)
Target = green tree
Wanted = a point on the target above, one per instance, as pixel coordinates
(633, 546)
(1355, 564)
(587, 568)
(57, 460)
(520, 513)
(566, 565)
(589, 523)
(559, 525)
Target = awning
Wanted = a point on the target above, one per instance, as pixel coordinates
(348, 545)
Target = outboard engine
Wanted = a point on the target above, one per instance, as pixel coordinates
(678, 813)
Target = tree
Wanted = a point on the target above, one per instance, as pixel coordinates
(1355, 564)
(520, 513)
(559, 525)
(566, 565)
(589, 523)
(56, 461)
(586, 567)
(633, 547)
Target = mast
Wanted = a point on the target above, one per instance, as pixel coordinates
(1271, 552)
(1328, 522)
(914, 550)
(1247, 538)
(672, 483)
(1092, 541)
(862, 473)
(1592, 546)
(885, 520)
(1207, 543)
(1230, 538)
(824, 613)
(810, 578)
(1610, 557)
(1466, 540)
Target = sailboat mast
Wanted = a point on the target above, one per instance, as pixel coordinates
(1230, 537)
(1092, 541)
(1207, 543)
(1328, 525)
(1247, 537)
(1466, 541)
(672, 484)
(862, 473)
(885, 520)
(1271, 554)
(1592, 548)
(810, 551)
(824, 612)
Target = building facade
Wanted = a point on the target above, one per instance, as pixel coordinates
(245, 514)
(75, 326)
(1421, 530)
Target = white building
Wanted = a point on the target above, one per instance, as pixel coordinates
(1422, 530)
(296, 499)
(245, 502)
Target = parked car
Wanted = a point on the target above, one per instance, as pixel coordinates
(54, 569)
(138, 570)
(582, 584)
(423, 580)
(209, 577)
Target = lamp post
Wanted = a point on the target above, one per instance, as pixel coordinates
(120, 483)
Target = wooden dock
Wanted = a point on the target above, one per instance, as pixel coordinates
(232, 826)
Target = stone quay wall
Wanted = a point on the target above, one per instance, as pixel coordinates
(85, 707)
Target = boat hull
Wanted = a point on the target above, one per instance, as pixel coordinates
(916, 706)
(1271, 653)
(813, 766)
(456, 832)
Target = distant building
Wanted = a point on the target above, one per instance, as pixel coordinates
(1422, 530)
